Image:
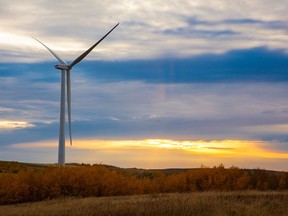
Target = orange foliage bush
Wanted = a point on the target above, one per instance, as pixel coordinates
(83, 181)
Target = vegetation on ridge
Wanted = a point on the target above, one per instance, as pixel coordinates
(29, 184)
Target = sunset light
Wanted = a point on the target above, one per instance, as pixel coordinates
(14, 124)
(219, 148)
(158, 152)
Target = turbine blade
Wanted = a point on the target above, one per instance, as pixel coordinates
(53, 53)
(77, 60)
(69, 104)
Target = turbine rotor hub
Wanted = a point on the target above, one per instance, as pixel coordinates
(62, 67)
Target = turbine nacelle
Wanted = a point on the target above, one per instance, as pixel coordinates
(62, 67)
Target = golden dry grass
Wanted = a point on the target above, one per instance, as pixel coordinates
(206, 203)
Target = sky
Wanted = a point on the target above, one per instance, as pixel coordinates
(176, 84)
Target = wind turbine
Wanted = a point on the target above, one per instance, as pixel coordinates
(65, 80)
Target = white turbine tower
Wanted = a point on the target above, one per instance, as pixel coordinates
(65, 76)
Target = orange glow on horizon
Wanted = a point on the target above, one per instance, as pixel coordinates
(214, 148)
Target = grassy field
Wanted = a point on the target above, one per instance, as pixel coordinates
(206, 203)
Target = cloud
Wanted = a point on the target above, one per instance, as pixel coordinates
(248, 65)
(6, 125)
(205, 97)
(147, 30)
(258, 64)
(204, 33)
(143, 110)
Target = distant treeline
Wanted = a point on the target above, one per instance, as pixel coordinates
(28, 184)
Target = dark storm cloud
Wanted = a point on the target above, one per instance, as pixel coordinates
(252, 65)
